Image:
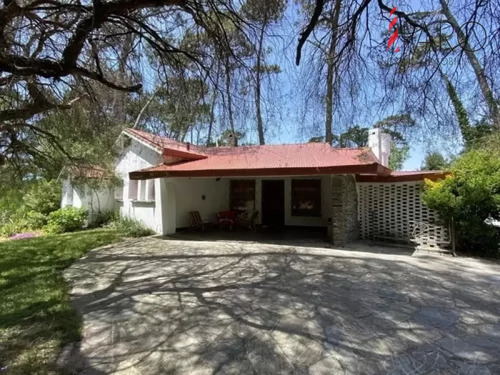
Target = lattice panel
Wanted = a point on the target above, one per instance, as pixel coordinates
(394, 211)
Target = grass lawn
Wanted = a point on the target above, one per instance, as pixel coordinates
(36, 317)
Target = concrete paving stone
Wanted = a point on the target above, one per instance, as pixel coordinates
(163, 306)
(437, 317)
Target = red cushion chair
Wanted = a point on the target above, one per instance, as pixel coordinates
(227, 219)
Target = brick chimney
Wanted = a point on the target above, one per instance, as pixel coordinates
(380, 144)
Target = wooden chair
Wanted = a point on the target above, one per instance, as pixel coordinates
(196, 221)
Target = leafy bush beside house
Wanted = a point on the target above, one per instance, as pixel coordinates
(471, 196)
(130, 227)
(43, 197)
(67, 219)
(27, 208)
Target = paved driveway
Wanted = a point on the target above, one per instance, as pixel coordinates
(153, 306)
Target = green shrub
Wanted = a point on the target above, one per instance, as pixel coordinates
(470, 195)
(36, 220)
(130, 227)
(16, 224)
(27, 208)
(101, 218)
(43, 197)
(66, 219)
(11, 202)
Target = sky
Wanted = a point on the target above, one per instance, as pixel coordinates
(366, 112)
(293, 112)
(291, 125)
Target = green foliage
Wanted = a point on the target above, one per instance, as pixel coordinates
(17, 223)
(43, 197)
(395, 126)
(403, 120)
(319, 139)
(36, 317)
(101, 218)
(470, 195)
(224, 138)
(130, 227)
(67, 219)
(434, 161)
(461, 113)
(36, 220)
(27, 207)
(263, 11)
(355, 136)
(175, 109)
(10, 202)
(399, 154)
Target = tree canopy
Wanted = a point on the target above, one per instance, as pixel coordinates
(195, 68)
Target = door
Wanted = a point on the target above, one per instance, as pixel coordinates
(273, 203)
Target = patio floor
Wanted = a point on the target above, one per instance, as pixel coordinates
(178, 306)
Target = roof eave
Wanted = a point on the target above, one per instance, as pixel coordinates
(403, 178)
(373, 168)
(142, 141)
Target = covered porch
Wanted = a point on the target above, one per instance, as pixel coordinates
(303, 206)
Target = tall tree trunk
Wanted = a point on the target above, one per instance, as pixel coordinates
(258, 67)
(212, 116)
(476, 66)
(331, 72)
(143, 109)
(228, 94)
(460, 112)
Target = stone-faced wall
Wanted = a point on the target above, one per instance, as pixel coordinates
(344, 209)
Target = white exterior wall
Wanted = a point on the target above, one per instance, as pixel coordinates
(189, 191)
(67, 193)
(134, 157)
(188, 197)
(92, 200)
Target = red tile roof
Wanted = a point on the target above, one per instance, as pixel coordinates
(167, 146)
(269, 160)
(293, 159)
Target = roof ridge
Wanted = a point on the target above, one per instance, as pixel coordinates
(205, 148)
(152, 138)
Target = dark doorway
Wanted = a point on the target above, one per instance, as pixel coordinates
(273, 203)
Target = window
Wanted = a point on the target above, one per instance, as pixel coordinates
(242, 195)
(141, 190)
(306, 197)
(150, 190)
(133, 189)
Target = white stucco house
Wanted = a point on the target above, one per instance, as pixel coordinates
(350, 190)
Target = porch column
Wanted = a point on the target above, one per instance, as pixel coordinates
(344, 209)
(165, 206)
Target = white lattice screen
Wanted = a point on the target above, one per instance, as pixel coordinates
(394, 211)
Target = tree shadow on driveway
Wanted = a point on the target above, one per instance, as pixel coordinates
(186, 307)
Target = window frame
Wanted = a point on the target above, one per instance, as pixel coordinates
(144, 191)
(315, 197)
(232, 198)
